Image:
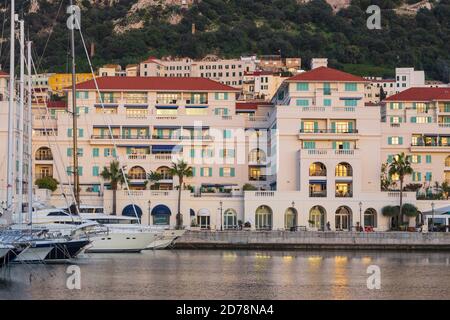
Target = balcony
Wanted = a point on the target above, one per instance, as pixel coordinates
(318, 194)
(44, 157)
(329, 153)
(334, 131)
(258, 178)
(343, 194)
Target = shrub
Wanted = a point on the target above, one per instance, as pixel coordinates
(249, 187)
(390, 211)
(409, 210)
(49, 183)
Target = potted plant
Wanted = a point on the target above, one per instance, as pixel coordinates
(247, 226)
(312, 225)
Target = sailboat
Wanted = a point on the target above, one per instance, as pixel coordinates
(21, 240)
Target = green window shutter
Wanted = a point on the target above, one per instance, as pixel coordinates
(428, 176)
(414, 106)
(400, 105)
(419, 176)
(221, 172)
(302, 102)
(392, 119)
(106, 152)
(216, 96)
(232, 171)
(69, 132)
(114, 152)
(80, 171)
(400, 140)
(389, 140)
(216, 111)
(194, 171)
(221, 152)
(231, 153)
(210, 172)
(334, 145)
(391, 106)
(192, 153)
(428, 158)
(302, 126)
(400, 119)
(414, 176)
(419, 159)
(430, 119)
(202, 173)
(302, 86)
(225, 96)
(69, 170)
(86, 95)
(95, 152)
(77, 94)
(390, 158)
(346, 145)
(95, 170)
(413, 119)
(333, 127)
(350, 86)
(80, 152)
(327, 102)
(316, 126)
(69, 152)
(350, 127)
(81, 133)
(86, 110)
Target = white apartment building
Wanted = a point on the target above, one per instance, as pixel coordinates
(261, 84)
(406, 78)
(314, 155)
(227, 71)
(372, 90)
(417, 122)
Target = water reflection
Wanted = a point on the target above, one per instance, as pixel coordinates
(236, 275)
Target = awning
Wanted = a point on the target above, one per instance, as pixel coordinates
(163, 148)
(203, 212)
(318, 181)
(218, 185)
(106, 105)
(192, 213)
(195, 127)
(161, 210)
(350, 98)
(199, 107)
(136, 106)
(442, 210)
(166, 107)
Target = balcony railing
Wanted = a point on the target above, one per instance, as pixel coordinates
(338, 131)
(434, 144)
(258, 178)
(344, 195)
(170, 137)
(318, 194)
(120, 136)
(137, 176)
(46, 157)
(319, 173)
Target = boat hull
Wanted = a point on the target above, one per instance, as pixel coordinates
(34, 254)
(169, 237)
(7, 255)
(122, 242)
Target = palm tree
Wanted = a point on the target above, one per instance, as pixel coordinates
(444, 188)
(181, 170)
(153, 177)
(401, 167)
(114, 173)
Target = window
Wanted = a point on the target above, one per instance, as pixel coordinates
(326, 89)
(415, 158)
(95, 152)
(196, 111)
(227, 172)
(226, 134)
(327, 102)
(421, 119)
(168, 97)
(395, 105)
(428, 176)
(350, 86)
(206, 172)
(95, 171)
(302, 86)
(302, 102)
(309, 144)
(428, 158)
(166, 112)
(350, 103)
(221, 96)
(309, 126)
(416, 176)
(396, 119)
(395, 140)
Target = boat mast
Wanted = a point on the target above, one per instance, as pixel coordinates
(21, 121)
(10, 176)
(76, 179)
(30, 148)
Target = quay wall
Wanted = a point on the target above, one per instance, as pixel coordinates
(284, 240)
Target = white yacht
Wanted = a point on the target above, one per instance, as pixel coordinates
(107, 233)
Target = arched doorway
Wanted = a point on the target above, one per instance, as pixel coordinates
(263, 218)
(137, 173)
(344, 169)
(290, 218)
(343, 218)
(44, 153)
(161, 215)
(370, 218)
(317, 169)
(230, 219)
(317, 217)
(131, 211)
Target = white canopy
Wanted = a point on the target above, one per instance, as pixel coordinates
(442, 210)
(203, 212)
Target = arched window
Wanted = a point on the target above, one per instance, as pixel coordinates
(317, 169)
(263, 218)
(44, 153)
(204, 218)
(370, 218)
(257, 156)
(344, 169)
(137, 173)
(161, 215)
(343, 218)
(230, 219)
(164, 172)
(317, 216)
(131, 211)
(290, 218)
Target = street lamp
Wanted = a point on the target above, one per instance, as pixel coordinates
(360, 216)
(149, 211)
(432, 216)
(221, 222)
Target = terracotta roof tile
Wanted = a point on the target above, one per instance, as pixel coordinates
(421, 94)
(326, 74)
(155, 83)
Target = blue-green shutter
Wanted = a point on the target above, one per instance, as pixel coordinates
(232, 171)
(192, 153)
(95, 171)
(327, 102)
(193, 171)
(333, 127)
(316, 126)
(69, 132)
(106, 152)
(80, 171)
(69, 152)
(389, 140)
(221, 172)
(413, 119)
(430, 119)
(346, 145)
(202, 172)
(95, 152)
(81, 133)
(428, 158)
(350, 127)
(400, 140)
(419, 159)
(210, 172)
(334, 145)
(390, 158)
(114, 152)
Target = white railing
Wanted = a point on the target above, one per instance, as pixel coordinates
(324, 152)
(313, 109)
(134, 193)
(137, 157)
(344, 152)
(345, 109)
(264, 193)
(158, 193)
(163, 157)
(317, 151)
(444, 125)
(396, 194)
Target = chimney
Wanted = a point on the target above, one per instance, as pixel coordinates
(319, 62)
